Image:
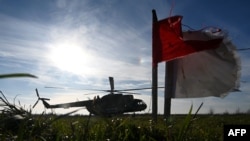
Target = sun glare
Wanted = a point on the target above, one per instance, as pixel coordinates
(69, 57)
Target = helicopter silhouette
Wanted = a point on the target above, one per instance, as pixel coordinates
(114, 103)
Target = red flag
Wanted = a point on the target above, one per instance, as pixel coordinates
(168, 42)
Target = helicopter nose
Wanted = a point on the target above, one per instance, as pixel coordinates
(142, 105)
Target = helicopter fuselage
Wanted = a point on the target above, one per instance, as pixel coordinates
(111, 104)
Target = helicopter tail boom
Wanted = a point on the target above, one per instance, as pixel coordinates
(68, 105)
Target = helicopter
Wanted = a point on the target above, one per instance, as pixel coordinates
(114, 103)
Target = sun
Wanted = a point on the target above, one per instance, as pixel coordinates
(69, 57)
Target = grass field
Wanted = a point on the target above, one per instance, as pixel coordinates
(16, 123)
(118, 128)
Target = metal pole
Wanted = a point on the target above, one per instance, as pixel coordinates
(169, 87)
(154, 75)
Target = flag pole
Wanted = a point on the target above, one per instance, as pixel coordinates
(170, 78)
(154, 74)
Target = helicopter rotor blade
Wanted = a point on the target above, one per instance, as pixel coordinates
(100, 90)
(37, 93)
(35, 103)
(126, 92)
(111, 82)
(68, 88)
(111, 90)
(49, 87)
(44, 98)
(137, 89)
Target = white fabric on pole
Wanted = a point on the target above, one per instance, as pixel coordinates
(207, 73)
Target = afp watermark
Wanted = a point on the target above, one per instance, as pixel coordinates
(237, 132)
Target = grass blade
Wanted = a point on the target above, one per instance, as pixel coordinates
(14, 75)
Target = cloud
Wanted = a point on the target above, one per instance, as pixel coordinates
(110, 48)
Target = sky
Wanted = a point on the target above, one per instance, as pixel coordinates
(78, 44)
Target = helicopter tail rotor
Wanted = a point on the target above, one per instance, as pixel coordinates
(43, 99)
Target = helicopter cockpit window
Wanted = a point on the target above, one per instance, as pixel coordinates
(141, 103)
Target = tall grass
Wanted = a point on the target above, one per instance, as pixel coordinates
(16, 123)
(20, 124)
(15, 75)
